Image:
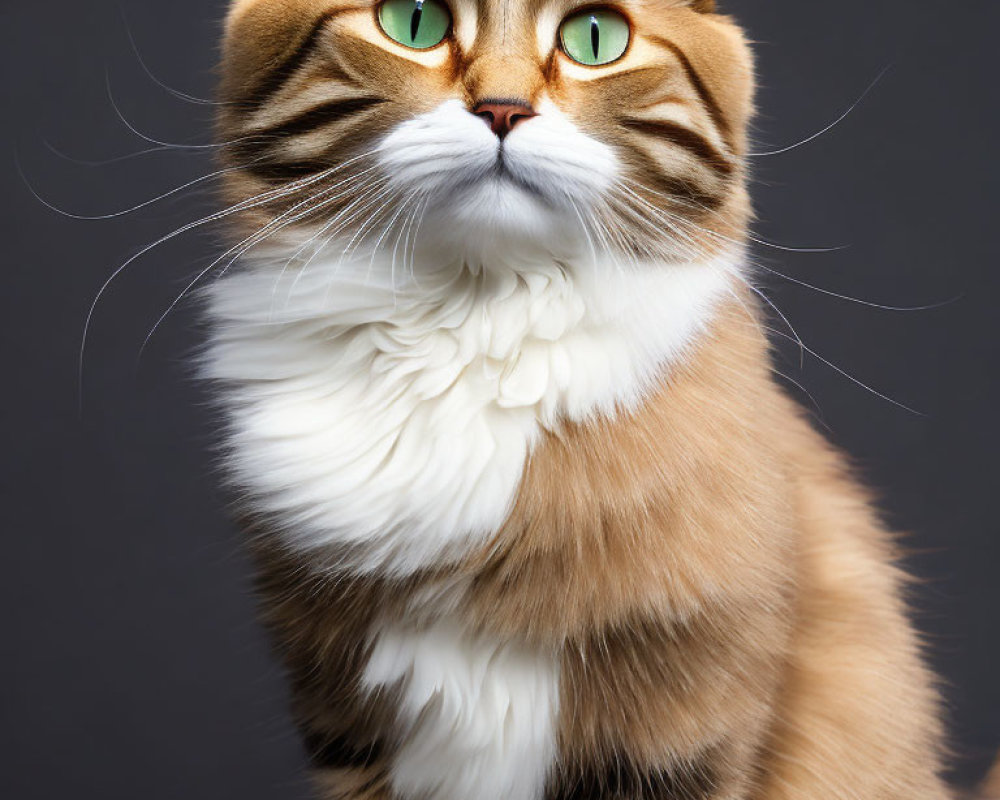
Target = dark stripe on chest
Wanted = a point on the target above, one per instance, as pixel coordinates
(620, 779)
(340, 752)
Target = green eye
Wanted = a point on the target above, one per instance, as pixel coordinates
(595, 36)
(420, 24)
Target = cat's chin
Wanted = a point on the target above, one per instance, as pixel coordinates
(502, 210)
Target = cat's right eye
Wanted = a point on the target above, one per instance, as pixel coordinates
(420, 24)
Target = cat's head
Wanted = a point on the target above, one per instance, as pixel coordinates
(613, 126)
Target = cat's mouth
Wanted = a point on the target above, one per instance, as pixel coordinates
(541, 173)
(503, 174)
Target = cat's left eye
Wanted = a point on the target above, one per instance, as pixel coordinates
(420, 24)
(595, 37)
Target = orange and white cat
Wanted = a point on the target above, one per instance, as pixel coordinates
(533, 520)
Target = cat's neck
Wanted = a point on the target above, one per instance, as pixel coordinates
(618, 325)
(403, 407)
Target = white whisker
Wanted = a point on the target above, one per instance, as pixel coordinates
(858, 300)
(339, 217)
(138, 206)
(188, 98)
(829, 127)
(253, 202)
(169, 145)
(847, 375)
(236, 251)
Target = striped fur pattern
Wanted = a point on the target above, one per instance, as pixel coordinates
(532, 519)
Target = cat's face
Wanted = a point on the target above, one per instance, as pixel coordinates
(619, 124)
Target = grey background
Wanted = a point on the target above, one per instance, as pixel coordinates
(131, 663)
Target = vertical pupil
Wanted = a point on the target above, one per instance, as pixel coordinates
(595, 36)
(418, 12)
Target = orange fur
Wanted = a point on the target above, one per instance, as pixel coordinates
(990, 789)
(725, 604)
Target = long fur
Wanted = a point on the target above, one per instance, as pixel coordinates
(532, 518)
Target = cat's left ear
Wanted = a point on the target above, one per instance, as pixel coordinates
(704, 6)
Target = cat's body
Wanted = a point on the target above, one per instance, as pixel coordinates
(532, 518)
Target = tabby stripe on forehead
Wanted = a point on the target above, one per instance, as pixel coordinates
(281, 73)
(685, 138)
(714, 110)
(318, 116)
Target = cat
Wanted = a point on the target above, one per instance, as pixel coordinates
(531, 516)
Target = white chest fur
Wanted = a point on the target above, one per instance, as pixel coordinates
(393, 422)
(476, 717)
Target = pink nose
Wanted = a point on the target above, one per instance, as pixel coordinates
(503, 117)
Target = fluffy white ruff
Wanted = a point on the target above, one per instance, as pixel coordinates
(382, 405)
(476, 717)
(393, 422)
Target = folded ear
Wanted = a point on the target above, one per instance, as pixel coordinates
(701, 6)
